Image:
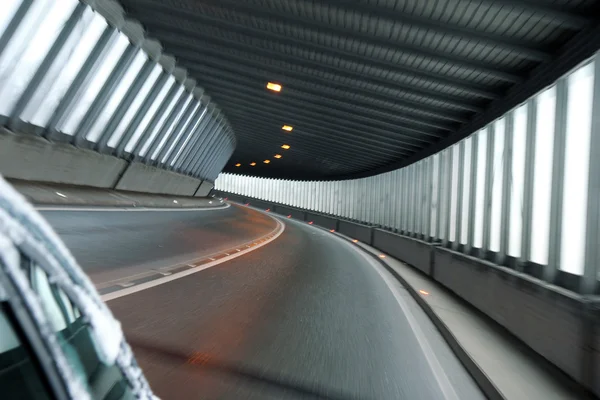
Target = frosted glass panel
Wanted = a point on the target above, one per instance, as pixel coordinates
(186, 122)
(116, 97)
(161, 121)
(9, 7)
(134, 106)
(466, 171)
(28, 48)
(496, 224)
(191, 135)
(454, 194)
(577, 156)
(482, 143)
(435, 188)
(444, 187)
(90, 92)
(64, 70)
(171, 127)
(518, 180)
(542, 175)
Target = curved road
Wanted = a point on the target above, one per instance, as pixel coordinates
(306, 316)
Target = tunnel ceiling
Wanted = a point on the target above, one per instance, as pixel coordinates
(367, 85)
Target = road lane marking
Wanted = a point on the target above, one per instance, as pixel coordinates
(445, 386)
(159, 281)
(128, 208)
(435, 366)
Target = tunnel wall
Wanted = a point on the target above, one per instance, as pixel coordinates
(34, 158)
(85, 93)
(508, 218)
(361, 232)
(145, 178)
(204, 189)
(560, 325)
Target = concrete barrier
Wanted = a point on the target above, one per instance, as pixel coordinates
(55, 194)
(144, 178)
(261, 204)
(322, 221)
(33, 158)
(294, 213)
(558, 324)
(356, 231)
(412, 251)
(204, 189)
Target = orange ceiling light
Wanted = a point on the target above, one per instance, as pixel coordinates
(287, 128)
(275, 87)
(267, 161)
(252, 164)
(285, 147)
(277, 156)
(238, 165)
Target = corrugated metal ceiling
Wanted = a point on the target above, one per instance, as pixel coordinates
(368, 85)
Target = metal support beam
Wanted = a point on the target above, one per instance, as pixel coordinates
(103, 97)
(46, 64)
(154, 122)
(322, 87)
(81, 81)
(124, 105)
(178, 130)
(310, 24)
(141, 113)
(203, 133)
(192, 147)
(187, 129)
(170, 120)
(14, 23)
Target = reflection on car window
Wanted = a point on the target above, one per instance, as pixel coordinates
(74, 335)
(20, 376)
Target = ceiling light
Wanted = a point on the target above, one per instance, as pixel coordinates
(424, 292)
(285, 146)
(276, 87)
(267, 161)
(238, 165)
(277, 156)
(287, 128)
(252, 164)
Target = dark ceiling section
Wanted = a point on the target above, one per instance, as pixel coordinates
(367, 84)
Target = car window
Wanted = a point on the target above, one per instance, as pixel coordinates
(20, 375)
(74, 335)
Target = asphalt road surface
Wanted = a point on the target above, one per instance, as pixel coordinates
(304, 317)
(111, 245)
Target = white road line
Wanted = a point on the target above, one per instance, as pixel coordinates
(126, 209)
(436, 368)
(444, 384)
(147, 285)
